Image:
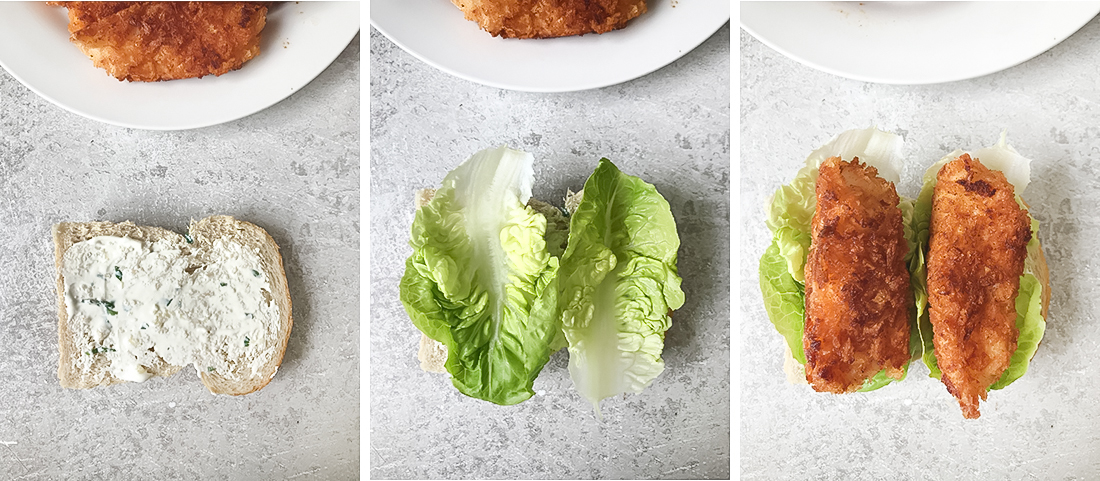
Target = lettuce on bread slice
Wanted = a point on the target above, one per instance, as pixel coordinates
(491, 321)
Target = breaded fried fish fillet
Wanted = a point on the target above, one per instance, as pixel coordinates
(550, 18)
(858, 297)
(152, 41)
(82, 14)
(978, 242)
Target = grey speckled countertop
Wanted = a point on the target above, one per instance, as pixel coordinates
(292, 169)
(1043, 426)
(671, 128)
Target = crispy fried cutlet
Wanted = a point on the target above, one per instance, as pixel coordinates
(82, 14)
(978, 243)
(152, 41)
(549, 18)
(857, 285)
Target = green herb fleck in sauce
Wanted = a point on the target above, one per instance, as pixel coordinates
(246, 341)
(188, 239)
(118, 273)
(109, 305)
(255, 272)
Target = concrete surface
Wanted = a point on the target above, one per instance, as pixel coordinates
(292, 169)
(1045, 425)
(671, 128)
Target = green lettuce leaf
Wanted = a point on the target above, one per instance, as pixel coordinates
(918, 265)
(618, 284)
(1030, 323)
(480, 277)
(784, 299)
(790, 211)
(557, 237)
(1029, 317)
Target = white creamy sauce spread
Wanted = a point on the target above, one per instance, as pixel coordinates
(132, 302)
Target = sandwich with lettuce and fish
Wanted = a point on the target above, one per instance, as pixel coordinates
(976, 300)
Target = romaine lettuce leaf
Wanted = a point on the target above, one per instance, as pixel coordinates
(1029, 321)
(557, 226)
(878, 149)
(618, 284)
(1029, 318)
(918, 265)
(784, 300)
(790, 211)
(480, 277)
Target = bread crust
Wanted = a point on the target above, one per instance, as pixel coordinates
(1042, 273)
(203, 233)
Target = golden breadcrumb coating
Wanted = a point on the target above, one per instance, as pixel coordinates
(549, 18)
(979, 237)
(858, 298)
(82, 14)
(152, 41)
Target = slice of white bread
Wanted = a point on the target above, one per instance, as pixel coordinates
(212, 244)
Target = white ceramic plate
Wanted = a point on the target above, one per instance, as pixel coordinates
(913, 42)
(299, 41)
(436, 32)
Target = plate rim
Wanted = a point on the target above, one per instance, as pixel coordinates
(770, 43)
(562, 89)
(211, 120)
